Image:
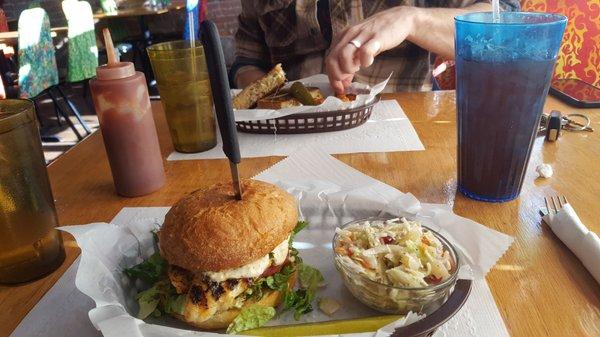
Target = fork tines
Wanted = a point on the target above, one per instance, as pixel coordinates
(555, 203)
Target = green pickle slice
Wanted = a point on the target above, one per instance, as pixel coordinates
(301, 93)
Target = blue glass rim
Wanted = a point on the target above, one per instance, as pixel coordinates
(551, 18)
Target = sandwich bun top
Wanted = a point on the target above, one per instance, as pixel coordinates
(209, 230)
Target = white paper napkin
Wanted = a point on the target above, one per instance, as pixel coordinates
(388, 130)
(584, 243)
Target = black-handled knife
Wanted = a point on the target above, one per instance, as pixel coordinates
(221, 94)
(427, 326)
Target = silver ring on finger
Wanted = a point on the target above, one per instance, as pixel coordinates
(356, 43)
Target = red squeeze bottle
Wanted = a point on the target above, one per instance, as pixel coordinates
(123, 106)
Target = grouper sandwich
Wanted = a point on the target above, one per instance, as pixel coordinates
(224, 263)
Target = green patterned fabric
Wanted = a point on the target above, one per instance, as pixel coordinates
(37, 63)
(83, 51)
(108, 6)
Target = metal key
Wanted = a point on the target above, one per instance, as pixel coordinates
(573, 125)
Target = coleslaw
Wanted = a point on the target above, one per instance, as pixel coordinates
(395, 252)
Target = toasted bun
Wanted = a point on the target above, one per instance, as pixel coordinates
(209, 230)
(222, 319)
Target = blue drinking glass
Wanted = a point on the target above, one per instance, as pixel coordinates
(503, 72)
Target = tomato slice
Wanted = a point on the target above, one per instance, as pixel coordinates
(272, 269)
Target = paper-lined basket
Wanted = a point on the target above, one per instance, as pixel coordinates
(365, 95)
(311, 122)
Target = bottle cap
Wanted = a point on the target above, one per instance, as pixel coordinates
(115, 71)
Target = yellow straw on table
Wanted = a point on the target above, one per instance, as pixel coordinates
(368, 324)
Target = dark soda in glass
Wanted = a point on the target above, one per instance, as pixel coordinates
(503, 74)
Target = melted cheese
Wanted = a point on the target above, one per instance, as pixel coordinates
(252, 269)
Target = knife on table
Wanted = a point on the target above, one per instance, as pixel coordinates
(221, 93)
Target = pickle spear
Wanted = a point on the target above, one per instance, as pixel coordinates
(367, 324)
(299, 91)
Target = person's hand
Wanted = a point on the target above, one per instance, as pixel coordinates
(357, 46)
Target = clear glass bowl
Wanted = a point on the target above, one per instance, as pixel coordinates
(398, 300)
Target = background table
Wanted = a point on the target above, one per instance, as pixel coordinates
(131, 12)
(141, 13)
(540, 287)
(13, 36)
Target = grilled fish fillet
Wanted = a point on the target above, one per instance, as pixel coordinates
(205, 298)
(260, 88)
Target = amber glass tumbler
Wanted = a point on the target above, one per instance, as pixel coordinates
(30, 246)
(182, 78)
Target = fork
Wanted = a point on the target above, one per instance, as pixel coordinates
(556, 202)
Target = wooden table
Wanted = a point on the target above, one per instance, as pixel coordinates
(540, 287)
(137, 11)
(131, 12)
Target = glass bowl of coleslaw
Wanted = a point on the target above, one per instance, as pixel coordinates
(395, 265)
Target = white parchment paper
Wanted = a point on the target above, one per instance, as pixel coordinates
(388, 129)
(365, 95)
(329, 193)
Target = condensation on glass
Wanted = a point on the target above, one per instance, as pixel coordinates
(30, 246)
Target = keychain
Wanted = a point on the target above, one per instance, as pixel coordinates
(552, 124)
(573, 125)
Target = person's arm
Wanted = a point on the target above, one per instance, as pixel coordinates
(429, 28)
(245, 75)
(252, 54)
(433, 28)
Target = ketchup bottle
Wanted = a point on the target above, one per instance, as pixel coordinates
(123, 106)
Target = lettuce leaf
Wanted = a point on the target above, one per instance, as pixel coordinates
(301, 299)
(299, 226)
(293, 252)
(148, 301)
(251, 318)
(175, 304)
(151, 270)
(277, 281)
(160, 298)
(310, 278)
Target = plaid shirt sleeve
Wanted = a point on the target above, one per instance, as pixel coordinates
(507, 5)
(251, 48)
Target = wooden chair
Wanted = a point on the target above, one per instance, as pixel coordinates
(444, 74)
